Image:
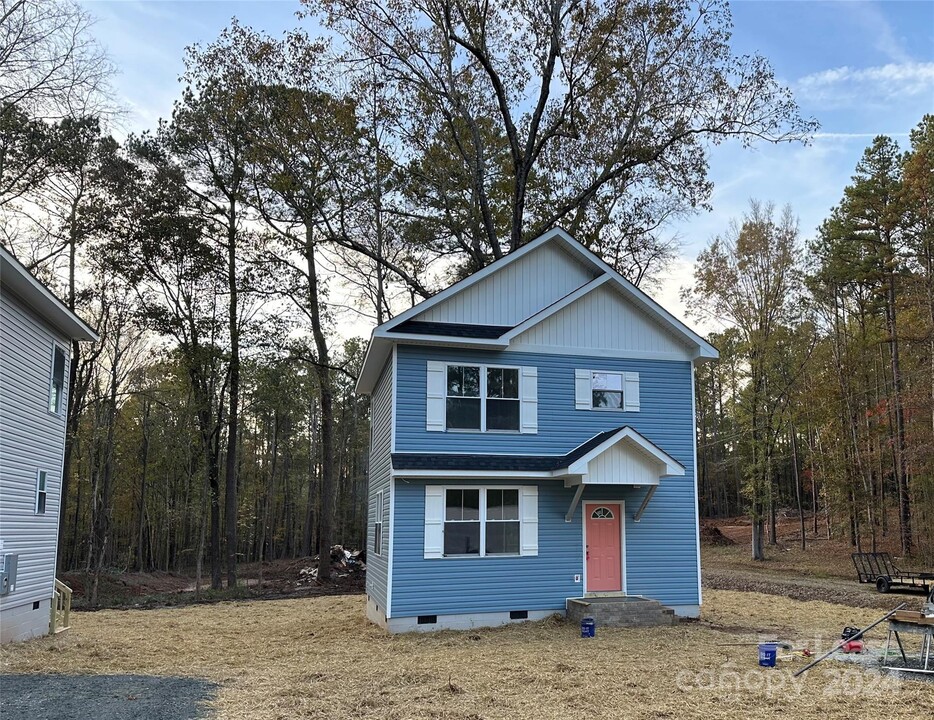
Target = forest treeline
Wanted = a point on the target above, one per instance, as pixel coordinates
(234, 256)
(822, 402)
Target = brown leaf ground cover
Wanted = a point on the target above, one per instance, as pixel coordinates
(319, 658)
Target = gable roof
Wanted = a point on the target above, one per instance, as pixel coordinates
(14, 277)
(405, 326)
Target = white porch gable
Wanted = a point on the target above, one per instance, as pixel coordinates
(625, 458)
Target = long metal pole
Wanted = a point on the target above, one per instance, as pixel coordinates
(857, 636)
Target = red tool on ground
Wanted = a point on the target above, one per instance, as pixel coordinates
(848, 645)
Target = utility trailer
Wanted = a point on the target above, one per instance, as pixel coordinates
(878, 568)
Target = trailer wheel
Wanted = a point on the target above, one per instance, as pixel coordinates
(883, 585)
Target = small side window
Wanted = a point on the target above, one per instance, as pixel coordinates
(40, 492)
(57, 386)
(378, 525)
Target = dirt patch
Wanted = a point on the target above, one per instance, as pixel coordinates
(274, 580)
(807, 589)
(319, 658)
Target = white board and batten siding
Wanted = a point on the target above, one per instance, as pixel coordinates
(379, 480)
(602, 322)
(624, 464)
(31, 439)
(516, 292)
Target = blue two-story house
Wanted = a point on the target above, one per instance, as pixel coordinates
(532, 441)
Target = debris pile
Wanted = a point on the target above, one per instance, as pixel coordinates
(711, 535)
(344, 563)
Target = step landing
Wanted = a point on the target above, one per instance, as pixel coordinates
(614, 610)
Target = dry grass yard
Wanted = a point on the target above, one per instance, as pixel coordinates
(318, 658)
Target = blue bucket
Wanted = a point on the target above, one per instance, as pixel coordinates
(588, 628)
(767, 654)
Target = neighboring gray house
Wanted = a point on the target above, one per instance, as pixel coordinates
(36, 330)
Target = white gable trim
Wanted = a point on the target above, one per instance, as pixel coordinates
(547, 312)
(471, 280)
(706, 350)
(670, 466)
(382, 337)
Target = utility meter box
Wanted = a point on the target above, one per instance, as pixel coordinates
(8, 573)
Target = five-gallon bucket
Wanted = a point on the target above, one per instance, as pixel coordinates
(588, 628)
(767, 654)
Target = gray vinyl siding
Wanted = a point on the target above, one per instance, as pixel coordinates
(31, 439)
(380, 480)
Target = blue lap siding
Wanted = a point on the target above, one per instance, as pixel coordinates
(661, 550)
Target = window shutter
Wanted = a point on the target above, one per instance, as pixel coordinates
(528, 400)
(631, 391)
(434, 521)
(528, 528)
(435, 396)
(583, 395)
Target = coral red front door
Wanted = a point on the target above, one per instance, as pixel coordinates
(603, 551)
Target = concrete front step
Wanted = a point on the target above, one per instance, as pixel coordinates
(620, 611)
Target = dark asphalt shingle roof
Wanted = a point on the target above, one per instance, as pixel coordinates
(465, 330)
(534, 463)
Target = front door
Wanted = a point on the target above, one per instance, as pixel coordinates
(603, 550)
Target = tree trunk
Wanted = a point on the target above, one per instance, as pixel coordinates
(323, 372)
(901, 473)
(798, 489)
(233, 419)
(144, 461)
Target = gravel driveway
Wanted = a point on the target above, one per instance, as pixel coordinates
(103, 697)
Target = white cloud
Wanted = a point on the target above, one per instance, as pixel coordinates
(851, 87)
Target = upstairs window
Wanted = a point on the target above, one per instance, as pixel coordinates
(41, 492)
(482, 398)
(463, 398)
(57, 386)
(607, 390)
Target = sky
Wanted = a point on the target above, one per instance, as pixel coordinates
(860, 68)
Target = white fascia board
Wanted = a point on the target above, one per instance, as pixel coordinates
(669, 465)
(41, 300)
(705, 349)
(424, 339)
(467, 281)
(381, 344)
(556, 306)
(378, 351)
(474, 474)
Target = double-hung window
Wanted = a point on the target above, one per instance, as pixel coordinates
(607, 390)
(41, 492)
(57, 385)
(482, 398)
(378, 525)
(479, 521)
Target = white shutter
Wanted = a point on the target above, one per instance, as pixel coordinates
(528, 528)
(435, 396)
(528, 400)
(631, 392)
(583, 394)
(434, 521)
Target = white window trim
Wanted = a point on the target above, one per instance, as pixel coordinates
(629, 395)
(62, 404)
(378, 525)
(39, 476)
(483, 397)
(483, 521)
(622, 392)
